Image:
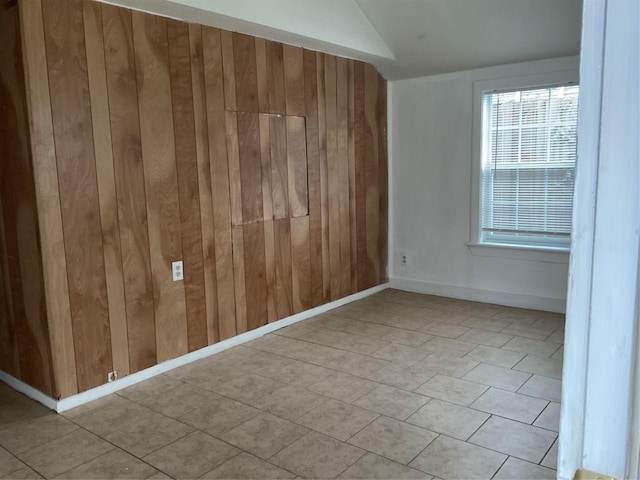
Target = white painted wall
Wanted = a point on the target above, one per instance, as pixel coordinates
(431, 120)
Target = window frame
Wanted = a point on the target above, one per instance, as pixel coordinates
(480, 87)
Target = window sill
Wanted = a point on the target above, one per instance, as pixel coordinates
(520, 252)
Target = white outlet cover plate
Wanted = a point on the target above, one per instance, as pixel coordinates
(178, 273)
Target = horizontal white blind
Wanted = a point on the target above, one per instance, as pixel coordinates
(529, 156)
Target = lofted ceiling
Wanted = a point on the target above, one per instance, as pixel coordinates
(403, 38)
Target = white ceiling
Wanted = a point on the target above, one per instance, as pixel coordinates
(403, 38)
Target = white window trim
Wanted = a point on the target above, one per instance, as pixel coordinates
(547, 79)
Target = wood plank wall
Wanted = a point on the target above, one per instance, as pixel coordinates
(24, 338)
(261, 165)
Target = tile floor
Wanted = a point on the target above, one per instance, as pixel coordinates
(397, 385)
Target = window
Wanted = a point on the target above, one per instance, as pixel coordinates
(528, 157)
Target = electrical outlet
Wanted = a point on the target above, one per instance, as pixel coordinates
(403, 259)
(178, 273)
(112, 376)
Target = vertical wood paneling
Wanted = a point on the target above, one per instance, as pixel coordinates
(106, 186)
(284, 288)
(228, 69)
(220, 181)
(233, 156)
(265, 158)
(9, 356)
(255, 275)
(300, 269)
(333, 172)
(261, 75)
(279, 174)
(294, 80)
(361, 219)
(129, 176)
(72, 126)
(313, 171)
(352, 178)
(246, 79)
(324, 179)
(161, 184)
(372, 206)
(342, 102)
(188, 188)
(270, 270)
(275, 78)
(249, 153)
(297, 167)
(383, 179)
(204, 182)
(237, 233)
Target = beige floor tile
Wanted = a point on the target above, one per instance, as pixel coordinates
(205, 376)
(23, 473)
(290, 402)
(115, 464)
(246, 466)
(402, 354)
(373, 466)
(542, 387)
(559, 355)
(403, 376)
(556, 337)
(65, 453)
(449, 419)
(446, 364)
(442, 329)
(485, 337)
(293, 372)
(500, 377)
(545, 366)
(351, 325)
(356, 364)
(491, 324)
(338, 419)
(248, 388)
(393, 320)
(104, 402)
(317, 456)
(514, 469)
(20, 409)
(446, 317)
(448, 458)
(150, 389)
(8, 463)
(264, 435)
(181, 400)
(342, 386)
(393, 439)
(514, 438)
(20, 437)
(528, 331)
(219, 416)
(550, 460)
(534, 347)
(335, 339)
(392, 402)
(406, 337)
(106, 415)
(494, 356)
(452, 390)
(513, 313)
(160, 476)
(550, 417)
(510, 405)
(449, 346)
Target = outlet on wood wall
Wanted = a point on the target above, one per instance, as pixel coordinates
(261, 166)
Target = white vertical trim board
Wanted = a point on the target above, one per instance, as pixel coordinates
(108, 388)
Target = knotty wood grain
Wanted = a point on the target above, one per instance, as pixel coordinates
(161, 184)
(300, 269)
(270, 270)
(333, 172)
(371, 174)
(284, 286)
(204, 182)
(265, 159)
(246, 80)
(342, 102)
(228, 69)
(275, 78)
(71, 113)
(235, 179)
(94, 40)
(359, 140)
(249, 153)
(188, 188)
(237, 233)
(279, 168)
(324, 179)
(129, 176)
(220, 180)
(297, 167)
(352, 177)
(294, 80)
(261, 75)
(255, 275)
(313, 170)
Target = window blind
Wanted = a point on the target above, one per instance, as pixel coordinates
(528, 165)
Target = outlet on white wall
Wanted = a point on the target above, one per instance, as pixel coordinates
(178, 272)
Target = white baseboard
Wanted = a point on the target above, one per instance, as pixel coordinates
(477, 295)
(108, 388)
